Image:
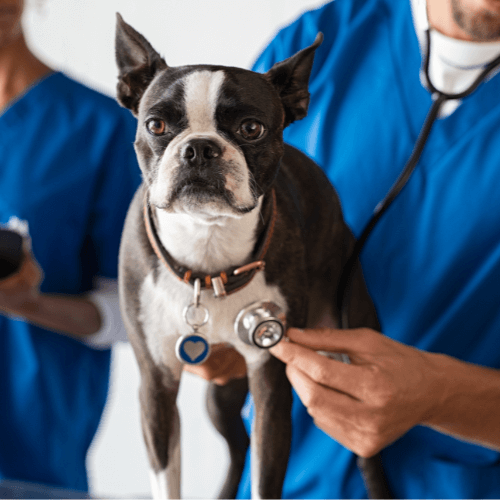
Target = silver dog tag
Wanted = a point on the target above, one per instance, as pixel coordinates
(194, 348)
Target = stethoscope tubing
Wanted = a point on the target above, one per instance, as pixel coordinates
(439, 98)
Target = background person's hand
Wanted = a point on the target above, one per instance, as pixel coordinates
(20, 295)
(20, 290)
(386, 390)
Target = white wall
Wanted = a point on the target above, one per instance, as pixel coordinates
(77, 36)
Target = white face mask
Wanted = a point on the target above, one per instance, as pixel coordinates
(454, 64)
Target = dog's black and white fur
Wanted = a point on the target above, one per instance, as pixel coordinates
(210, 147)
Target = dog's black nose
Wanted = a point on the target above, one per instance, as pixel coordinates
(198, 151)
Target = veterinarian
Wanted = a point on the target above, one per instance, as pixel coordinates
(427, 392)
(68, 172)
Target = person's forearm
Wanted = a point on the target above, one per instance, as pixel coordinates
(72, 315)
(388, 388)
(469, 403)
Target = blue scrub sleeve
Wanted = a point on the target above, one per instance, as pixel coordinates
(120, 176)
(299, 35)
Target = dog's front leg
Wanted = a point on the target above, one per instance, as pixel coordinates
(224, 404)
(272, 428)
(161, 429)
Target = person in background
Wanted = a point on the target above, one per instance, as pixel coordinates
(67, 174)
(425, 394)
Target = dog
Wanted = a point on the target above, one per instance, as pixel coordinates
(227, 216)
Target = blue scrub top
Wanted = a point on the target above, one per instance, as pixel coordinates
(432, 264)
(67, 166)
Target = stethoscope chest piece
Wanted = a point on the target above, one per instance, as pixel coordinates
(261, 324)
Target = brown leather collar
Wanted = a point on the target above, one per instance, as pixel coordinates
(226, 282)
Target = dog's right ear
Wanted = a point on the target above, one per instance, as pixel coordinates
(291, 78)
(137, 63)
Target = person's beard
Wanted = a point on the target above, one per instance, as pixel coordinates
(481, 25)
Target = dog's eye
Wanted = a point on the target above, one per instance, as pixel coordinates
(156, 127)
(251, 130)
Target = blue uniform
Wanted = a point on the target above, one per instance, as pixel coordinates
(67, 166)
(432, 264)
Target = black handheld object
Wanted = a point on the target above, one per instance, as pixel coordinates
(11, 252)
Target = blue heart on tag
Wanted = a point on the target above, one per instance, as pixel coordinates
(192, 349)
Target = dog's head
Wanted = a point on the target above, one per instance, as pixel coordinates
(209, 138)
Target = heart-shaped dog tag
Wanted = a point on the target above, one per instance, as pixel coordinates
(192, 349)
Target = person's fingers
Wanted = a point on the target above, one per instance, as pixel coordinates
(235, 367)
(347, 341)
(28, 277)
(321, 369)
(360, 427)
(223, 364)
(317, 397)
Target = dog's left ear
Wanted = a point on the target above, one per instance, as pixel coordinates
(291, 78)
(137, 63)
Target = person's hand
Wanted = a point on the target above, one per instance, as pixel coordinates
(386, 390)
(19, 292)
(223, 365)
(73, 315)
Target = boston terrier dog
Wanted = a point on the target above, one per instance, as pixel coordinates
(232, 237)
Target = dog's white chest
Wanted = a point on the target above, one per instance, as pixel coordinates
(163, 303)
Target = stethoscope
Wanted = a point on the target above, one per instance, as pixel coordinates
(374, 479)
(256, 316)
(262, 324)
(439, 98)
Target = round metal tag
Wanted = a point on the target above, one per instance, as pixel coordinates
(192, 349)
